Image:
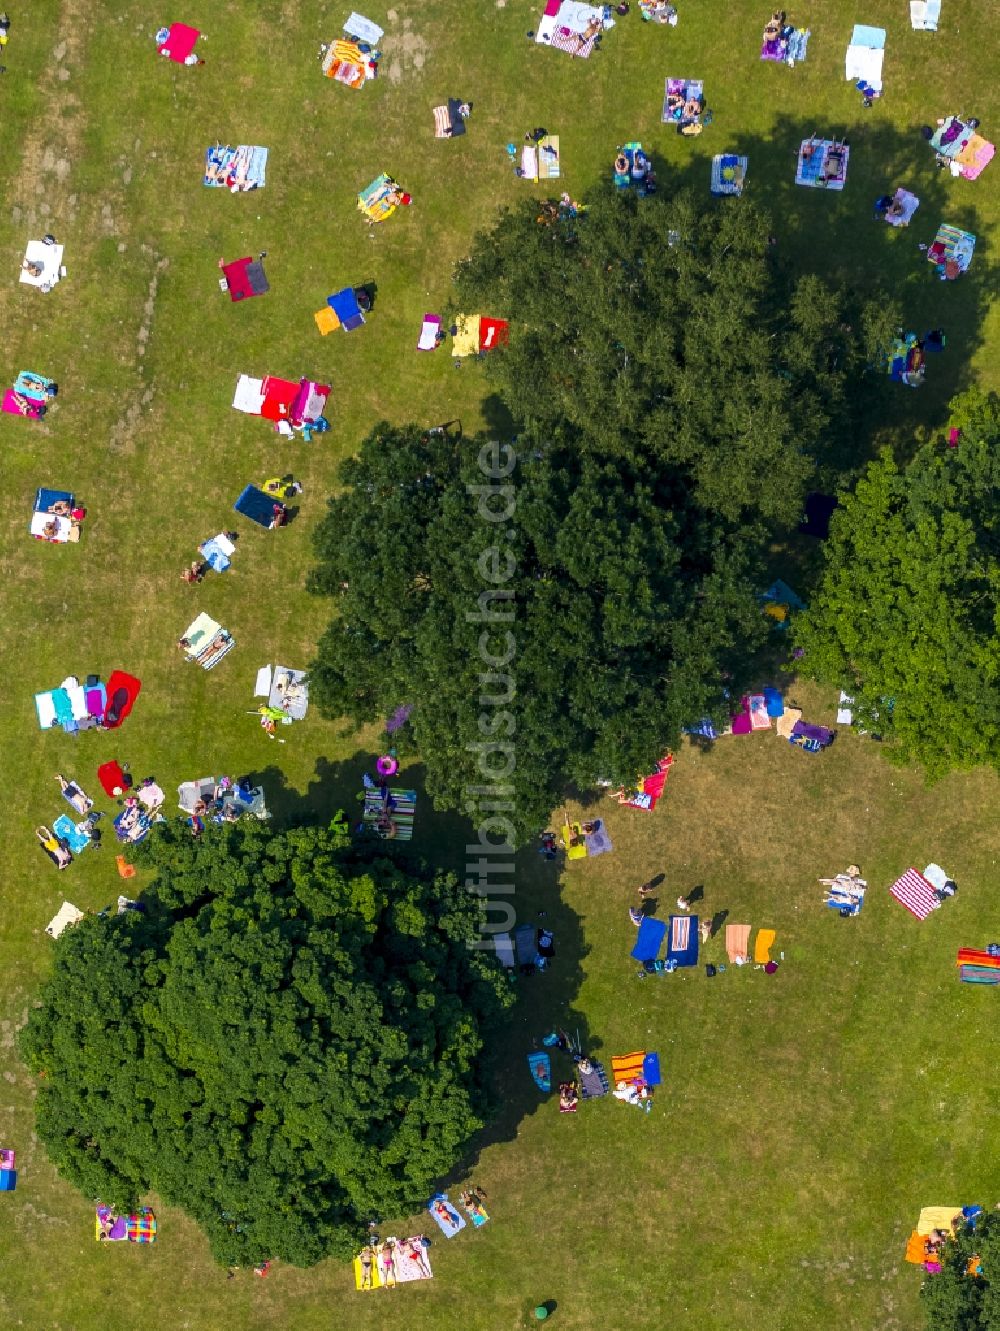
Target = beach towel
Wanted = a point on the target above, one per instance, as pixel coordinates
(32, 409)
(738, 941)
(72, 834)
(541, 1070)
(938, 1217)
(970, 974)
(651, 1070)
(179, 43)
(910, 203)
(563, 39)
(924, 15)
(46, 709)
(865, 54)
(376, 1275)
(238, 169)
(975, 156)
(650, 939)
(447, 1218)
(363, 29)
(913, 891)
(442, 123)
(762, 946)
(466, 337)
(683, 946)
(573, 841)
(593, 1084)
(122, 691)
(971, 956)
(493, 333)
(63, 709)
(548, 157)
(627, 1067)
(142, 1226)
(245, 278)
(345, 306)
(430, 330)
(787, 721)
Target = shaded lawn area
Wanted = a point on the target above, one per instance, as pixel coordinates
(805, 1117)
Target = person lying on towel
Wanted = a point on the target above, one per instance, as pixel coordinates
(74, 795)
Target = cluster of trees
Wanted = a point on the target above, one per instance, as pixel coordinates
(285, 1044)
(907, 612)
(957, 1300)
(674, 396)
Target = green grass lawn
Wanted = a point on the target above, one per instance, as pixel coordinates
(805, 1117)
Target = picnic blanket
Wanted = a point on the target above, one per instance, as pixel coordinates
(49, 258)
(692, 90)
(938, 1217)
(524, 944)
(238, 169)
(208, 642)
(865, 54)
(564, 23)
(179, 42)
(541, 1069)
(573, 840)
(916, 1249)
(728, 173)
(378, 200)
(822, 164)
(448, 124)
(598, 842)
(976, 966)
(952, 249)
(66, 915)
(650, 938)
(142, 1226)
(683, 945)
(245, 278)
(430, 330)
(112, 779)
(447, 1217)
(29, 408)
(346, 63)
(628, 1067)
(737, 941)
(913, 891)
(541, 161)
(363, 29)
(593, 1084)
(412, 1259)
(119, 1229)
(910, 204)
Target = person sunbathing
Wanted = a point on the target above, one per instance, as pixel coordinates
(33, 268)
(51, 530)
(365, 1258)
(894, 211)
(74, 794)
(53, 847)
(60, 508)
(568, 1097)
(445, 1215)
(692, 108)
(388, 1263)
(413, 1250)
(621, 165)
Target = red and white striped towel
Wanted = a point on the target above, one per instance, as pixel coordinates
(680, 933)
(913, 891)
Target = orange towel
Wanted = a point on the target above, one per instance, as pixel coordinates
(737, 941)
(627, 1067)
(973, 956)
(916, 1249)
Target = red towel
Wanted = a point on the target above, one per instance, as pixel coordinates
(112, 779)
(236, 277)
(123, 690)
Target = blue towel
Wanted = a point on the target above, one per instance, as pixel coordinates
(651, 1070)
(448, 1230)
(541, 1070)
(650, 939)
(864, 35)
(775, 705)
(66, 830)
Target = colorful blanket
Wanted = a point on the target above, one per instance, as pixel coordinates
(728, 173)
(913, 891)
(541, 1070)
(142, 1226)
(627, 1067)
(594, 1083)
(238, 169)
(683, 948)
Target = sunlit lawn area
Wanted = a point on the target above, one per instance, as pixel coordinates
(805, 1116)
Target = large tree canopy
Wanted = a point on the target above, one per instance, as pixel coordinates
(907, 614)
(665, 330)
(955, 1299)
(285, 1045)
(671, 395)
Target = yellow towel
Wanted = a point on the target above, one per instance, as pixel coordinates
(326, 320)
(762, 946)
(784, 723)
(937, 1217)
(376, 1277)
(466, 340)
(579, 850)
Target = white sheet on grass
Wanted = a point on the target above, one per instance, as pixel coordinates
(50, 257)
(249, 395)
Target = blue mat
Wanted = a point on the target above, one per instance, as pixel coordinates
(651, 1070)
(345, 306)
(541, 1070)
(687, 956)
(448, 1230)
(256, 505)
(650, 939)
(66, 830)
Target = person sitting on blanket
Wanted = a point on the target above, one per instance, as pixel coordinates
(568, 1097)
(675, 103)
(621, 165)
(75, 795)
(894, 210)
(444, 1215)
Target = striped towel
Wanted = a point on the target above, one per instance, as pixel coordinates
(442, 122)
(972, 956)
(680, 933)
(913, 891)
(564, 40)
(627, 1067)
